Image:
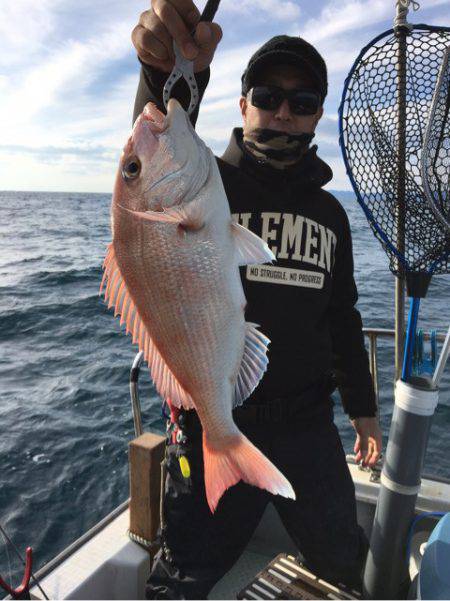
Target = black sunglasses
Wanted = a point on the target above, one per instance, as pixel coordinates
(270, 98)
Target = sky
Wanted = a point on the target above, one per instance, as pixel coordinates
(69, 74)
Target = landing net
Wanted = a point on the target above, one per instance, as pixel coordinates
(378, 142)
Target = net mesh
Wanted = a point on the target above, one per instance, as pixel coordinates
(436, 153)
(370, 138)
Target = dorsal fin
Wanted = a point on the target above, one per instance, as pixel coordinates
(116, 294)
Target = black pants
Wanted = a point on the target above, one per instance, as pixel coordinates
(199, 547)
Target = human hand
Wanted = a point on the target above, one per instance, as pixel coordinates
(369, 444)
(170, 20)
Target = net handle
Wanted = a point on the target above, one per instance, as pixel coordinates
(400, 21)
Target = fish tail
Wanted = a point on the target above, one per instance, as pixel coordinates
(241, 460)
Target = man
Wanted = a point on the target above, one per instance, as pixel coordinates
(305, 303)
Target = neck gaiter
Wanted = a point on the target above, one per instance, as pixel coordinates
(275, 148)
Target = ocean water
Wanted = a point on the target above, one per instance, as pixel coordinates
(65, 412)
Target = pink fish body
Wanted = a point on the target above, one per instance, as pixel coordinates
(172, 275)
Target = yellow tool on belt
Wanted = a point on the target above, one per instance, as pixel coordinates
(184, 466)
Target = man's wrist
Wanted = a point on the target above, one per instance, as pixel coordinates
(370, 416)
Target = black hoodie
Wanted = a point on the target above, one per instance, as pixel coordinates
(305, 301)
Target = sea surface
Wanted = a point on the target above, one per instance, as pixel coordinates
(65, 411)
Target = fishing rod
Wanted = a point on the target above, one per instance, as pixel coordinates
(23, 591)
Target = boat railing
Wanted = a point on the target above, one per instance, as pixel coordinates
(373, 334)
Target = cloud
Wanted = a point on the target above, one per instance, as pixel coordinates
(328, 127)
(340, 179)
(219, 111)
(338, 18)
(227, 68)
(52, 154)
(59, 85)
(69, 78)
(24, 27)
(70, 174)
(276, 10)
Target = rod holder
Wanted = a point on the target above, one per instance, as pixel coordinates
(386, 574)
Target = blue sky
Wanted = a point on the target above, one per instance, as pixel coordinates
(68, 76)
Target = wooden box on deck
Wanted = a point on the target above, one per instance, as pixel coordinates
(145, 456)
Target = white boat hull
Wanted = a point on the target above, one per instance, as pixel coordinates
(110, 566)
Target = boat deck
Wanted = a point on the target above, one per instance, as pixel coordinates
(269, 539)
(106, 564)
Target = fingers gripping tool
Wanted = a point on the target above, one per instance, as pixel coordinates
(184, 68)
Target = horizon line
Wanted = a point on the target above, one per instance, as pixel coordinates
(103, 193)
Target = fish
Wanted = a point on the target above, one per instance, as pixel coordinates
(172, 274)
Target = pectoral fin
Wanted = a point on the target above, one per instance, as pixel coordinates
(250, 248)
(190, 216)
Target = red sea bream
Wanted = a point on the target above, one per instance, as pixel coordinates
(171, 272)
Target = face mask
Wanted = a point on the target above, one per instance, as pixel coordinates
(275, 148)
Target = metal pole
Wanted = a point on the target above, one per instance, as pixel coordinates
(373, 364)
(386, 573)
(442, 361)
(401, 31)
(134, 393)
(399, 323)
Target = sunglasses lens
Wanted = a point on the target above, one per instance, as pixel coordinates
(301, 102)
(304, 103)
(266, 97)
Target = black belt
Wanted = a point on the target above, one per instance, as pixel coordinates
(309, 403)
(275, 410)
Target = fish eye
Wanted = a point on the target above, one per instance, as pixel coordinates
(131, 168)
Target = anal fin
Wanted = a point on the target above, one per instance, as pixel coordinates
(253, 365)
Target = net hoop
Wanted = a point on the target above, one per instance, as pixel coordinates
(387, 243)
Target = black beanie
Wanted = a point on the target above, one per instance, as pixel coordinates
(283, 49)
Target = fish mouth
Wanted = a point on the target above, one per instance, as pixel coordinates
(156, 120)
